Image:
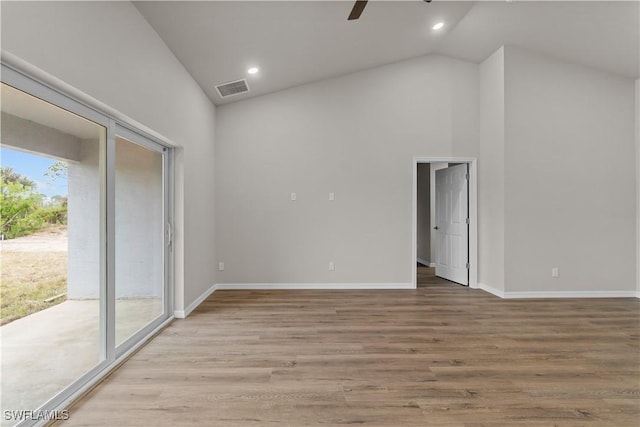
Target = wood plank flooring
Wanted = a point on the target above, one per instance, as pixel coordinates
(442, 355)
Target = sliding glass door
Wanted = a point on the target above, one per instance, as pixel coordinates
(85, 245)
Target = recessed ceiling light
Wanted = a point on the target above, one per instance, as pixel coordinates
(438, 26)
(253, 70)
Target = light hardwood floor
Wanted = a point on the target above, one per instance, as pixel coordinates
(442, 355)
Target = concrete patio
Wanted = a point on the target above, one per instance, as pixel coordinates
(46, 351)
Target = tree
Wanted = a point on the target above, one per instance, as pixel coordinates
(56, 211)
(19, 203)
(57, 170)
(7, 174)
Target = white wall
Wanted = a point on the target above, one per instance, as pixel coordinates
(32, 137)
(108, 51)
(465, 111)
(569, 165)
(355, 136)
(83, 219)
(491, 173)
(139, 221)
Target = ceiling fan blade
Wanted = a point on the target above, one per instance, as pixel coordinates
(357, 9)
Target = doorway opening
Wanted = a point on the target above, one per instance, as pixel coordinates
(444, 226)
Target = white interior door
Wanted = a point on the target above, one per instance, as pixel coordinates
(452, 237)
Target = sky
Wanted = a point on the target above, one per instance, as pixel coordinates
(34, 167)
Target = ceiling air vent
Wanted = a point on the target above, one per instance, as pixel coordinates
(233, 88)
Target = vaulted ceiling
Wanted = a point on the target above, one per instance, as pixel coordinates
(297, 42)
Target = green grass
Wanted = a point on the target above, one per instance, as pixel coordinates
(27, 279)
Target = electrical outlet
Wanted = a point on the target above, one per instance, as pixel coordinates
(555, 272)
(332, 266)
(332, 196)
(221, 266)
(294, 197)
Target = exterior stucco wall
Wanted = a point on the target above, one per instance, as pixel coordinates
(139, 222)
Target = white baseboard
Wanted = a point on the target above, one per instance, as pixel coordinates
(426, 263)
(558, 294)
(491, 290)
(571, 294)
(182, 314)
(308, 286)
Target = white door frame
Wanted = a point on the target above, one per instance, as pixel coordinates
(473, 214)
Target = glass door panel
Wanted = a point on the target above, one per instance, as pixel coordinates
(139, 236)
(52, 286)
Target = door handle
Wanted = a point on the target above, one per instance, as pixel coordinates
(435, 228)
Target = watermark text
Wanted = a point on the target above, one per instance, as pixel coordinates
(41, 415)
